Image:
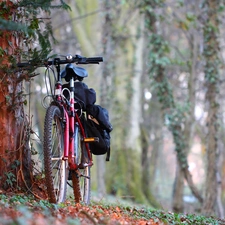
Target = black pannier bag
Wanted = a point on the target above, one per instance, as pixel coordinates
(98, 125)
(84, 95)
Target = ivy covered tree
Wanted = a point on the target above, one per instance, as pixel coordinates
(174, 113)
(22, 24)
(212, 80)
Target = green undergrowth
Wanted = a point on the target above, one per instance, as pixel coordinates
(175, 218)
(19, 209)
(165, 217)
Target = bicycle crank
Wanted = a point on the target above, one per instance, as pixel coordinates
(79, 174)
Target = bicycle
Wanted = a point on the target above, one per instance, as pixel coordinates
(65, 144)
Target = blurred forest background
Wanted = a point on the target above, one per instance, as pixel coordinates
(149, 113)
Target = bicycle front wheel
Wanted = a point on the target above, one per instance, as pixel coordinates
(55, 167)
(81, 178)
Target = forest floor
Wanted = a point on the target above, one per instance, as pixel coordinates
(20, 209)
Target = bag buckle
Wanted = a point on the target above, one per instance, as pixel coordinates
(93, 119)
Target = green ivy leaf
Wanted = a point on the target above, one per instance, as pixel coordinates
(34, 24)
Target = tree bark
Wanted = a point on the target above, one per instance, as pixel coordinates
(211, 49)
(106, 80)
(80, 29)
(178, 205)
(15, 163)
(145, 164)
(178, 190)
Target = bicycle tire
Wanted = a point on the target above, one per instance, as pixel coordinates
(81, 178)
(55, 167)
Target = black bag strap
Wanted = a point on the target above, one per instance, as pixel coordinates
(108, 155)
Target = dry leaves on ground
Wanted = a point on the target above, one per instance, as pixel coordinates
(71, 214)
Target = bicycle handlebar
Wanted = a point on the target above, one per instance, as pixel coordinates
(69, 59)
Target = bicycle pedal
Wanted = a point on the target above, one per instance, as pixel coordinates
(79, 174)
(91, 139)
(84, 176)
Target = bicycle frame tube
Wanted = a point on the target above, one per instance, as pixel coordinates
(66, 135)
(84, 136)
(58, 91)
(70, 119)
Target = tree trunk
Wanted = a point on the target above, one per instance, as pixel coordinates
(178, 205)
(175, 117)
(178, 190)
(135, 140)
(211, 49)
(135, 109)
(106, 80)
(15, 163)
(80, 29)
(145, 164)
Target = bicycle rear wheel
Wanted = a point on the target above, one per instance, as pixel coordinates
(55, 167)
(82, 177)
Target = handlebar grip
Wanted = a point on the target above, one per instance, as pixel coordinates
(94, 59)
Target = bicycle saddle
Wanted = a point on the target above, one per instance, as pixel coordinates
(73, 71)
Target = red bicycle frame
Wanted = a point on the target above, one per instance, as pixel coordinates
(70, 119)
